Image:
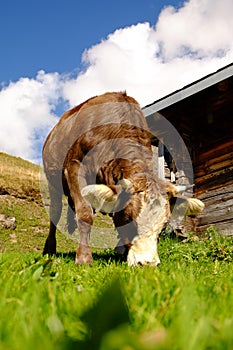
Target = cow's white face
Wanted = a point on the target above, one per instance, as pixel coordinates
(151, 220)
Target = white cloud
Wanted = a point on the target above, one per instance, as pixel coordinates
(152, 61)
(148, 61)
(117, 63)
(27, 113)
(202, 27)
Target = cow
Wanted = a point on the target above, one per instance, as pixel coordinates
(99, 155)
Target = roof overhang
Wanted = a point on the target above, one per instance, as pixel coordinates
(189, 90)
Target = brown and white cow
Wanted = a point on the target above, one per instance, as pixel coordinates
(99, 155)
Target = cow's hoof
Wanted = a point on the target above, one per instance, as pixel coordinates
(81, 260)
(83, 256)
(48, 252)
(50, 247)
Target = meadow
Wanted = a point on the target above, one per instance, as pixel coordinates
(50, 303)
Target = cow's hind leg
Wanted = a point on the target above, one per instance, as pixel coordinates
(55, 214)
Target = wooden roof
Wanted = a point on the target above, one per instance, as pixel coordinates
(189, 90)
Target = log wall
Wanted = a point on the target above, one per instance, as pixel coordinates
(205, 122)
(214, 186)
(214, 168)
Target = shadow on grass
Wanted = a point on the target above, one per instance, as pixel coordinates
(107, 256)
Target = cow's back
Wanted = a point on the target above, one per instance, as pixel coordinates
(109, 108)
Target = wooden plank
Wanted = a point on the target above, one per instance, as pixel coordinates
(218, 202)
(213, 180)
(227, 173)
(225, 192)
(218, 210)
(221, 148)
(224, 228)
(217, 213)
(214, 164)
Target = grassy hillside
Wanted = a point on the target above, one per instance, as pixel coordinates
(18, 177)
(50, 303)
(20, 197)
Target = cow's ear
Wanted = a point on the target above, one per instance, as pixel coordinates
(194, 207)
(186, 206)
(100, 197)
(126, 185)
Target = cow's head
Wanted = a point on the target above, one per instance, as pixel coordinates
(142, 211)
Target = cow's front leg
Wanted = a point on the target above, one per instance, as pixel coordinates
(83, 254)
(84, 216)
(75, 177)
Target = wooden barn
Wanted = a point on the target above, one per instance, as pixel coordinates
(199, 118)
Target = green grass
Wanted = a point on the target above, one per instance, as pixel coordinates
(185, 303)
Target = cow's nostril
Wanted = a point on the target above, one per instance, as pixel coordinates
(148, 263)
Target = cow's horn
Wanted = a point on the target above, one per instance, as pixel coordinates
(183, 188)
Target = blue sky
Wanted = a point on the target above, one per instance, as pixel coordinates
(52, 34)
(55, 54)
